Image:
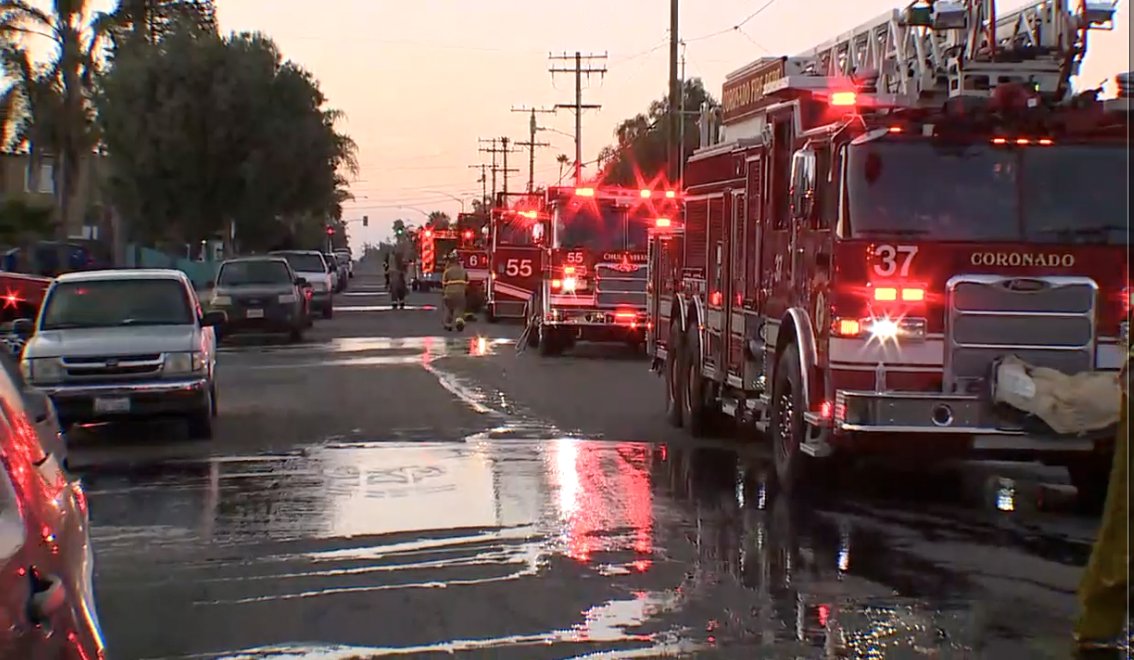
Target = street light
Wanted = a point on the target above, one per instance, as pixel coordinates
(449, 195)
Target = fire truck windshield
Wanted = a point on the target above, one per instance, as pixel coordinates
(515, 231)
(605, 227)
(1037, 194)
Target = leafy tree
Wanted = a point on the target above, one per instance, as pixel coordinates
(438, 220)
(206, 133)
(152, 20)
(640, 153)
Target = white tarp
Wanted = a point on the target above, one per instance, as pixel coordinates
(1087, 401)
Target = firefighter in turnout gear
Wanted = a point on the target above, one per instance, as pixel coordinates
(1104, 591)
(453, 284)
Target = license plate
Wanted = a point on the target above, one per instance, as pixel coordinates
(255, 313)
(112, 404)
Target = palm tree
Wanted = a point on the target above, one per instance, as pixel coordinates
(562, 159)
(76, 33)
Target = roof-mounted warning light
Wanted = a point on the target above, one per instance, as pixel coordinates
(663, 223)
(428, 233)
(844, 99)
(671, 194)
(530, 215)
(585, 192)
(646, 193)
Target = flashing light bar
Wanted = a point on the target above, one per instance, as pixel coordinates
(585, 192)
(645, 193)
(671, 194)
(893, 294)
(844, 99)
(530, 215)
(662, 223)
(428, 233)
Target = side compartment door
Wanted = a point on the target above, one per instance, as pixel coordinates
(737, 290)
(717, 277)
(753, 258)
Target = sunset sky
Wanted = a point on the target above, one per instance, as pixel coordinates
(421, 81)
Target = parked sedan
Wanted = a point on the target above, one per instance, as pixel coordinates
(47, 604)
(260, 295)
(341, 273)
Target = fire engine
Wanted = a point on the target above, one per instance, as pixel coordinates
(434, 245)
(593, 284)
(881, 219)
(472, 250)
(515, 255)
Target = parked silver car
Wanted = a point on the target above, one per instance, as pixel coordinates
(117, 344)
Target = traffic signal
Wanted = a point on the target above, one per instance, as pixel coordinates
(330, 230)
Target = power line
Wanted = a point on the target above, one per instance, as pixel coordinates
(580, 69)
(736, 27)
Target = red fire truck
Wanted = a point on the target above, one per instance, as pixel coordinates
(515, 258)
(884, 217)
(434, 245)
(472, 250)
(594, 279)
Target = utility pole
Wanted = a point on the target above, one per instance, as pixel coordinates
(579, 69)
(531, 144)
(483, 181)
(494, 150)
(505, 150)
(681, 125)
(675, 94)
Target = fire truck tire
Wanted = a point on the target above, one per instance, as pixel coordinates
(1091, 478)
(673, 381)
(551, 343)
(695, 414)
(795, 471)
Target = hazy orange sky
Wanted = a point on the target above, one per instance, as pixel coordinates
(420, 81)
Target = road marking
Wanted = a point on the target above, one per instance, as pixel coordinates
(387, 308)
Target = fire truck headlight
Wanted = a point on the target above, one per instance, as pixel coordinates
(570, 284)
(886, 329)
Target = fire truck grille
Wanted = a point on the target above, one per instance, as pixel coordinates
(1044, 321)
(614, 287)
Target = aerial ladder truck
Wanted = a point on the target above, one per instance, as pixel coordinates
(879, 222)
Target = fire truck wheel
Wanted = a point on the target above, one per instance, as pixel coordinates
(694, 412)
(673, 382)
(1091, 479)
(794, 471)
(550, 341)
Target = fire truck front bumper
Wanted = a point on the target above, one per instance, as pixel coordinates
(598, 324)
(966, 424)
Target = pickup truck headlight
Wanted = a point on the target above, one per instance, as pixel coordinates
(221, 301)
(184, 363)
(42, 370)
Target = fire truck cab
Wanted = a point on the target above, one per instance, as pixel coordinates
(593, 286)
(879, 224)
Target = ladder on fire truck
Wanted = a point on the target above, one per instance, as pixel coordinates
(938, 49)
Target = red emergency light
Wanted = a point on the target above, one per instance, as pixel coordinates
(645, 193)
(671, 194)
(468, 233)
(429, 233)
(585, 192)
(662, 223)
(844, 99)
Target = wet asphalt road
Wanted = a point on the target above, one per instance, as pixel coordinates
(385, 489)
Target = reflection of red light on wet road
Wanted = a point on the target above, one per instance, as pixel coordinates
(604, 488)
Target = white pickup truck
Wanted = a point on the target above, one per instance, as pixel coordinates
(120, 344)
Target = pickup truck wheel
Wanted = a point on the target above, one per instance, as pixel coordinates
(201, 422)
(674, 385)
(794, 470)
(694, 412)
